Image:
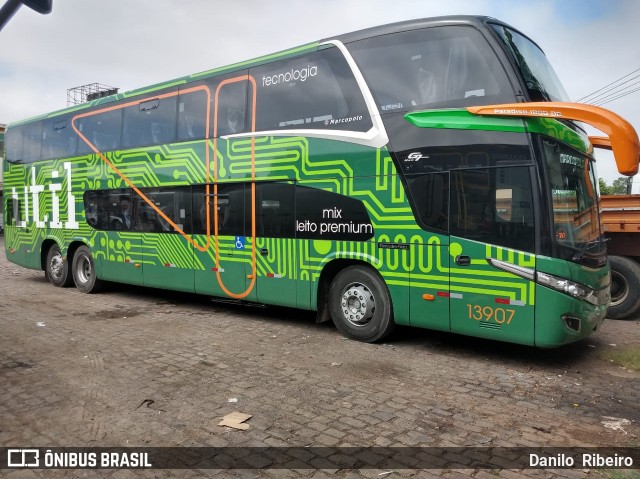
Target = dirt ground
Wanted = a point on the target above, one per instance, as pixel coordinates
(141, 367)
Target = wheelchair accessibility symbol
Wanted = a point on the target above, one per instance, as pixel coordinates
(239, 242)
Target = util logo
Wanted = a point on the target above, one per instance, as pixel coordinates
(33, 192)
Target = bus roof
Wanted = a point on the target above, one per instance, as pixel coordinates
(471, 20)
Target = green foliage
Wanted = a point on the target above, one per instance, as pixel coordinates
(604, 188)
(618, 187)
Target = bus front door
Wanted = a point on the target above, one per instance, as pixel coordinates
(491, 218)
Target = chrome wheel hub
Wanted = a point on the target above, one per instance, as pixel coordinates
(56, 266)
(357, 304)
(84, 269)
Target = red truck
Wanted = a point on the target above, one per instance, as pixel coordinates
(621, 222)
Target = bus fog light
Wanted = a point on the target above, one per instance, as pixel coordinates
(572, 322)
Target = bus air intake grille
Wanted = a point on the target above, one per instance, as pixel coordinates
(486, 325)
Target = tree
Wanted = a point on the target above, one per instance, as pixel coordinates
(618, 187)
(604, 188)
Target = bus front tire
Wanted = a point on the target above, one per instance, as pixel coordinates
(360, 304)
(625, 287)
(84, 271)
(56, 268)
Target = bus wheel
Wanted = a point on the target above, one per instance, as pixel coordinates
(84, 271)
(56, 268)
(360, 304)
(625, 287)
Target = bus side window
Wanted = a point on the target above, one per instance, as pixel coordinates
(14, 213)
(174, 203)
(314, 91)
(150, 122)
(32, 142)
(102, 131)
(275, 210)
(232, 107)
(192, 115)
(430, 194)
(231, 209)
(122, 210)
(58, 139)
(96, 209)
(14, 145)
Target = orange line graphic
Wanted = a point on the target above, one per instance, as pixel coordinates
(253, 186)
(124, 178)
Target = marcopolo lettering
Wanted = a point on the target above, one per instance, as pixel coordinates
(349, 119)
(292, 75)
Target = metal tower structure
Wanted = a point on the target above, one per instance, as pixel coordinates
(89, 92)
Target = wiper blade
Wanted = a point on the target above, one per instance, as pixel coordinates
(580, 252)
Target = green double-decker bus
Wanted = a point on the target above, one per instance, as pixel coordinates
(428, 173)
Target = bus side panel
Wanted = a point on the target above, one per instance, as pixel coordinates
(552, 306)
(305, 294)
(276, 271)
(487, 302)
(394, 266)
(168, 262)
(15, 249)
(226, 275)
(122, 259)
(429, 289)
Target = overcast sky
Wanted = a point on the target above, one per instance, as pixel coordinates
(133, 43)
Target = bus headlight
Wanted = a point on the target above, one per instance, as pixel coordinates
(577, 290)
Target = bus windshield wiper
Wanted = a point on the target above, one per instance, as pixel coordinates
(579, 252)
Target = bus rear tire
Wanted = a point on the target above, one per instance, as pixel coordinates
(360, 304)
(56, 268)
(84, 271)
(625, 287)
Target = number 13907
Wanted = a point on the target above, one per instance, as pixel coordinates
(487, 313)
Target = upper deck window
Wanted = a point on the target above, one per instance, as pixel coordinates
(315, 91)
(540, 79)
(440, 67)
(58, 139)
(102, 131)
(24, 143)
(150, 122)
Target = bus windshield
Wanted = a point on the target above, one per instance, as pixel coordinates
(441, 67)
(541, 80)
(576, 222)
